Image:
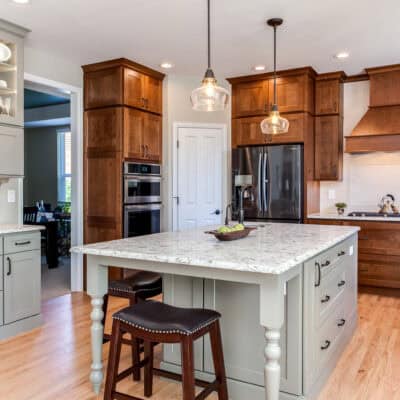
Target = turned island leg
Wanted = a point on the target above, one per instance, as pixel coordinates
(272, 319)
(97, 284)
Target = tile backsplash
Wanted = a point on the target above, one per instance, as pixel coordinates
(366, 177)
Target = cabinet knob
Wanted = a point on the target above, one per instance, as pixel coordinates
(342, 253)
(326, 263)
(341, 283)
(341, 322)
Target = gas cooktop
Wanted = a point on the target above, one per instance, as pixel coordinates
(372, 214)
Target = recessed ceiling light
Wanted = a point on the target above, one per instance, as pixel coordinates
(259, 68)
(166, 65)
(21, 1)
(342, 55)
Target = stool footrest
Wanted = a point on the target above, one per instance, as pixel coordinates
(178, 377)
(212, 387)
(122, 396)
(130, 370)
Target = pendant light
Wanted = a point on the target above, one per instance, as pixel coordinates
(274, 124)
(209, 96)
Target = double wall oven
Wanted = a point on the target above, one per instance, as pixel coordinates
(142, 199)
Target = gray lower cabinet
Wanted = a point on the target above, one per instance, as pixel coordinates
(21, 285)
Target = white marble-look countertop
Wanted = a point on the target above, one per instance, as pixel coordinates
(273, 248)
(351, 218)
(6, 229)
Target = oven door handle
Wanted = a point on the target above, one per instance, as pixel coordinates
(149, 207)
(142, 178)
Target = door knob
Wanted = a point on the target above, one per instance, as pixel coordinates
(216, 212)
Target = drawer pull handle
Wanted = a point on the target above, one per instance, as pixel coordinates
(341, 283)
(319, 274)
(363, 237)
(326, 345)
(9, 266)
(341, 322)
(342, 253)
(326, 263)
(23, 243)
(326, 299)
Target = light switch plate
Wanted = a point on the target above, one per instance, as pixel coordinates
(351, 250)
(11, 196)
(331, 194)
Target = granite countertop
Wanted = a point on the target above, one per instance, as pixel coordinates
(14, 228)
(351, 218)
(273, 248)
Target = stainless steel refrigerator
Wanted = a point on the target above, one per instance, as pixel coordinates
(271, 179)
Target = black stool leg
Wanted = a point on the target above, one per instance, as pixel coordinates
(218, 357)
(135, 349)
(188, 381)
(113, 360)
(148, 369)
(106, 337)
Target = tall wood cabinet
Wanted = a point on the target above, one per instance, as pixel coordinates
(252, 97)
(329, 126)
(122, 121)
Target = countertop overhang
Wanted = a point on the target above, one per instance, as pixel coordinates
(273, 248)
(6, 229)
(353, 218)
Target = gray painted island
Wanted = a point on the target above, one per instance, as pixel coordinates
(287, 295)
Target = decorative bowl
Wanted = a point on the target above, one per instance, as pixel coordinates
(228, 236)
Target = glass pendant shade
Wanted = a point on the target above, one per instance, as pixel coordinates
(209, 96)
(274, 124)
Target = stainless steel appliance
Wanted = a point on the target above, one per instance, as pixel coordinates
(142, 199)
(276, 190)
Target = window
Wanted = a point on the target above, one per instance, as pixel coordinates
(64, 165)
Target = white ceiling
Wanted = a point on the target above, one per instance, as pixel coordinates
(151, 31)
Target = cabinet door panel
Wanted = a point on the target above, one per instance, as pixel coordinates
(103, 88)
(181, 291)
(134, 88)
(21, 286)
(103, 129)
(239, 305)
(153, 95)
(152, 138)
(328, 148)
(11, 151)
(290, 93)
(327, 97)
(134, 130)
(250, 98)
(295, 134)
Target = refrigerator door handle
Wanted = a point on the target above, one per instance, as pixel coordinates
(259, 199)
(265, 181)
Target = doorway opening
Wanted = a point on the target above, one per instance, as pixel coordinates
(53, 179)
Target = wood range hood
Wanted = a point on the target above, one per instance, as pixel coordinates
(379, 128)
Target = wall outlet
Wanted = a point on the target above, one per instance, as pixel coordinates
(331, 194)
(11, 196)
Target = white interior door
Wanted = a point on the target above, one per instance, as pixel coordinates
(199, 176)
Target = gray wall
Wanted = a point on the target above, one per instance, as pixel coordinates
(40, 181)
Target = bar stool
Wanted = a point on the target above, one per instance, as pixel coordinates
(138, 287)
(158, 322)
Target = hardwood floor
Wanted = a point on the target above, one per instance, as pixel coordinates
(52, 362)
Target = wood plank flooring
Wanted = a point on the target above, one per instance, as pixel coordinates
(52, 362)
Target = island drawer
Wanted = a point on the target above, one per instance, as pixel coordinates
(21, 242)
(334, 257)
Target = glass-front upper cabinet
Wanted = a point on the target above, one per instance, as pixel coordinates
(11, 74)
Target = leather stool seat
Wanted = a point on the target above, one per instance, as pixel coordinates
(156, 317)
(139, 281)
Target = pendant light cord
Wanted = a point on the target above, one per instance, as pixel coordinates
(275, 97)
(209, 35)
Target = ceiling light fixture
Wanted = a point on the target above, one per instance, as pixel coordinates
(259, 68)
(274, 124)
(209, 96)
(342, 55)
(21, 2)
(166, 65)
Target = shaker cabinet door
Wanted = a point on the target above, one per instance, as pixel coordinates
(134, 130)
(11, 151)
(250, 98)
(21, 285)
(153, 95)
(152, 138)
(134, 88)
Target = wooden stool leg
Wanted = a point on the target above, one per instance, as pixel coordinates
(135, 348)
(113, 360)
(218, 357)
(148, 369)
(188, 384)
(105, 306)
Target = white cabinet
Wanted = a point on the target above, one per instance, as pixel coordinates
(21, 285)
(11, 151)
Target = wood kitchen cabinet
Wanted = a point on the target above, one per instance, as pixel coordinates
(329, 147)
(250, 98)
(378, 251)
(328, 96)
(123, 82)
